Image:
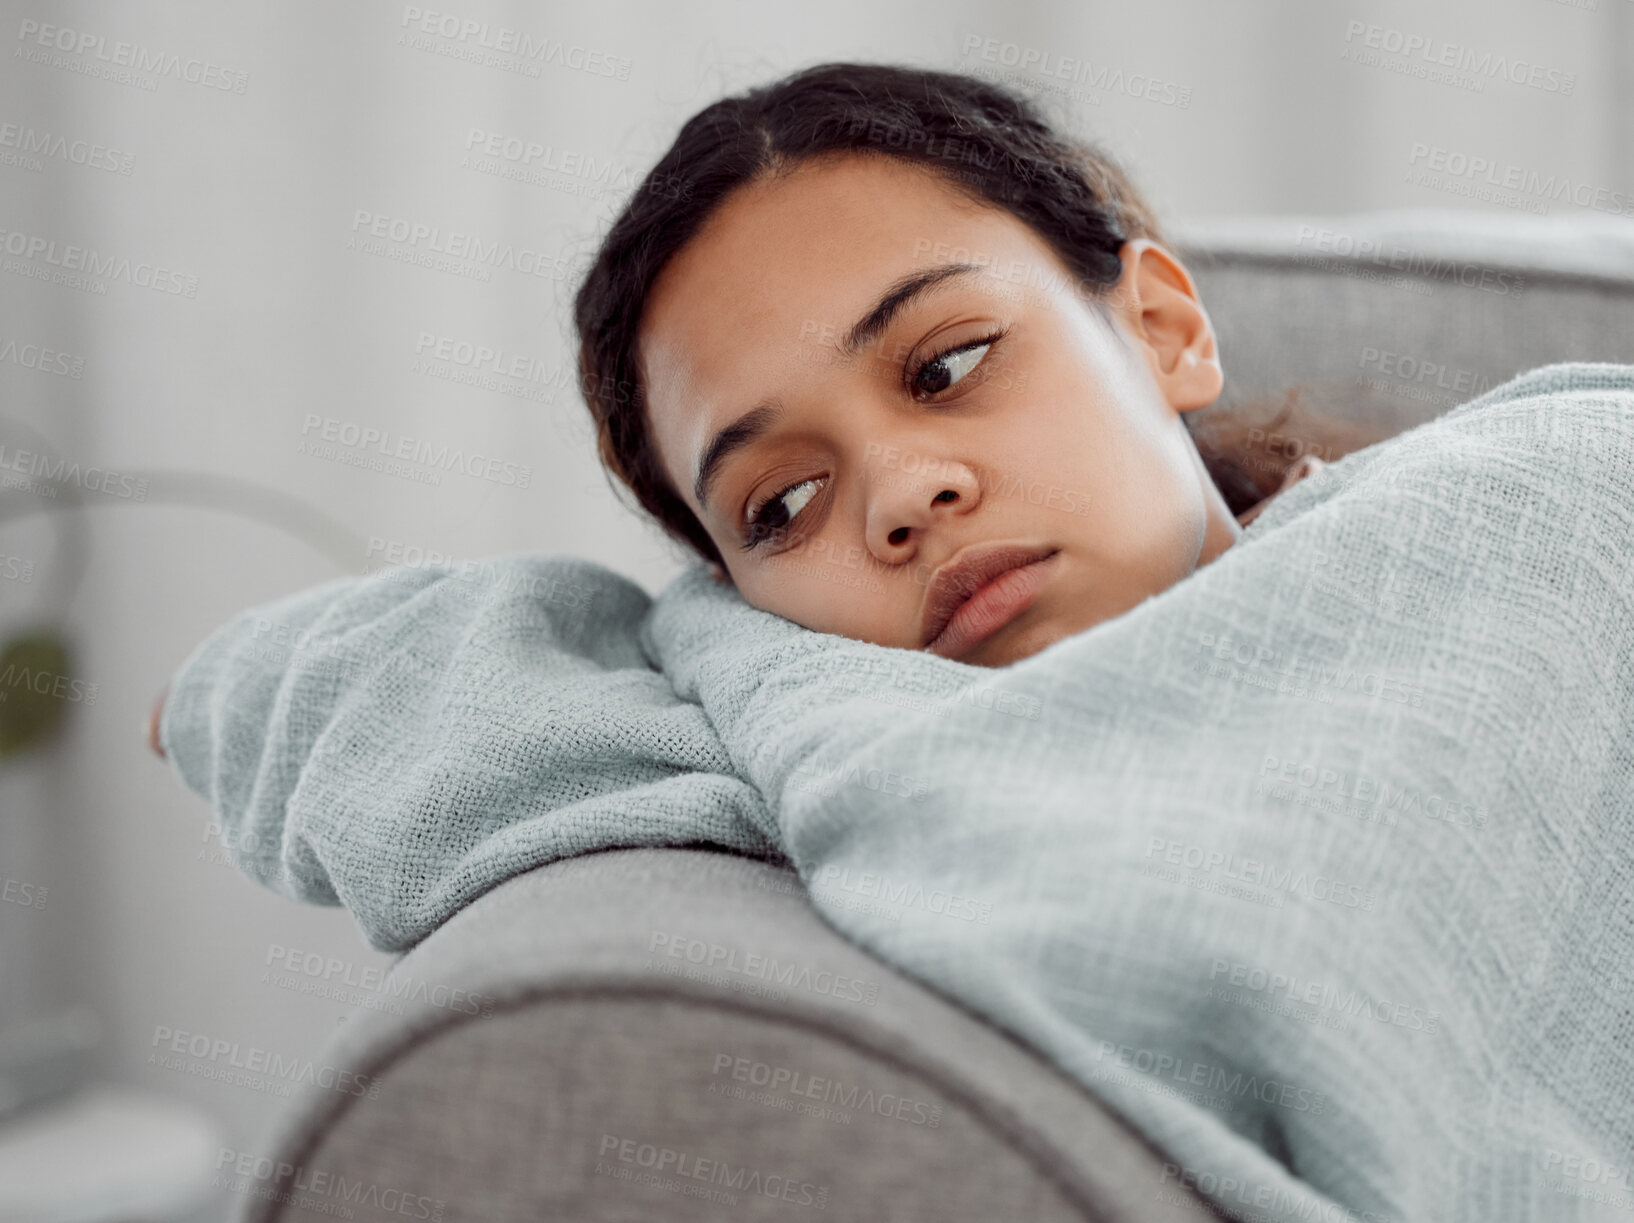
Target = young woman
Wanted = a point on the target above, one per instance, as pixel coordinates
(875, 341)
(906, 365)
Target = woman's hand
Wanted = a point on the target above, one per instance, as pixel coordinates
(153, 723)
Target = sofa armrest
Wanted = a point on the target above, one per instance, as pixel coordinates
(646, 1033)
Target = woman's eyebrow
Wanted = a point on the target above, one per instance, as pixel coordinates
(899, 295)
(759, 419)
(745, 429)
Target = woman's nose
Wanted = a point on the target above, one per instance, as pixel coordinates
(905, 504)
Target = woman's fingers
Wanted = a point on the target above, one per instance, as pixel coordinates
(1305, 465)
(153, 723)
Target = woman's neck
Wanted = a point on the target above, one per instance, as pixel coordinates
(1221, 530)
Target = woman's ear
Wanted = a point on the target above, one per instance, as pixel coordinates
(1161, 307)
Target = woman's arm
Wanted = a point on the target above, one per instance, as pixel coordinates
(399, 743)
(241, 714)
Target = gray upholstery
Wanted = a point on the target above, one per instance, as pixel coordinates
(1386, 320)
(504, 1116)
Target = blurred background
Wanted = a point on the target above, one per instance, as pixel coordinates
(247, 252)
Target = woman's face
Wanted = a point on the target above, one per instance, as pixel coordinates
(880, 422)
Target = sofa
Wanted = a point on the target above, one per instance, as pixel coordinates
(576, 1043)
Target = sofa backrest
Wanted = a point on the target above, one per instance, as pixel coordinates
(1387, 319)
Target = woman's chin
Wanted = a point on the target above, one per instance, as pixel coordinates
(1020, 639)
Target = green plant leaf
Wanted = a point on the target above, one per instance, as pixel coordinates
(35, 690)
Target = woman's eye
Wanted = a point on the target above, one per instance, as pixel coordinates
(948, 367)
(774, 515)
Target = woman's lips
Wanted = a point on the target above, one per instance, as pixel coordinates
(991, 607)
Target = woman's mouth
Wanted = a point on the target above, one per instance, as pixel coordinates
(1010, 580)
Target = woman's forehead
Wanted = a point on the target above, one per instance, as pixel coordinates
(823, 239)
(786, 265)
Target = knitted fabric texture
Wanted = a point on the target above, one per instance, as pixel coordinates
(1318, 866)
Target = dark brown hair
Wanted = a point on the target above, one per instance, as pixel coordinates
(985, 141)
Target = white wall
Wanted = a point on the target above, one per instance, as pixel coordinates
(251, 197)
